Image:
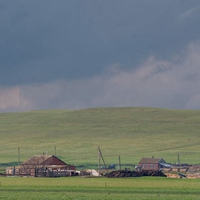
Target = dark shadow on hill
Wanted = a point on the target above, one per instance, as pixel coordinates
(9, 164)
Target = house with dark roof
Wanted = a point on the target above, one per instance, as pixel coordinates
(43, 166)
(153, 164)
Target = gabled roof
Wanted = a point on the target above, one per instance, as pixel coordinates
(151, 160)
(44, 160)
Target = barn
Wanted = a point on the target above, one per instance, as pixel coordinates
(43, 166)
(153, 164)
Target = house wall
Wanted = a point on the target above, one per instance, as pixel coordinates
(71, 167)
(149, 166)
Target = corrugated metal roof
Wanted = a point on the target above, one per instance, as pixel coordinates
(150, 160)
(44, 160)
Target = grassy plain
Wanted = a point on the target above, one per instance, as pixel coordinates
(130, 132)
(99, 188)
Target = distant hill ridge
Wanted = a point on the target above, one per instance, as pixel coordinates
(131, 132)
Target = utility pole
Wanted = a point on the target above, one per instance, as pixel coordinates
(178, 159)
(98, 162)
(100, 155)
(18, 155)
(119, 163)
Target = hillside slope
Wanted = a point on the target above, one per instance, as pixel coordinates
(129, 132)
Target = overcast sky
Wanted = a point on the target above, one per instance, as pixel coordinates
(74, 54)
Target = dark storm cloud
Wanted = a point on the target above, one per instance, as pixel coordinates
(79, 53)
(155, 83)
(49, 40)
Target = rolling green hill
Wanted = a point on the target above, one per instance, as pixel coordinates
(74, 136)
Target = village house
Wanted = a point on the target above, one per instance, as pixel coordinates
(153, 164)
(43, 166)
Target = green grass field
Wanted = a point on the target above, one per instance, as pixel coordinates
(99, 188)
(132, 133)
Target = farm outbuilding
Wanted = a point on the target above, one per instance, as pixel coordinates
(153, 164)
(43, 166)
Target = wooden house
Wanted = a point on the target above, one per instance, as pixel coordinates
(153, 164)
(44, 166)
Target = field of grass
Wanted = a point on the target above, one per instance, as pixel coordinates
(99, 188)
(74, 136)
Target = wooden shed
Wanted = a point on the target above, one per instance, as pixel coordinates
(153, 164)
(44, 166)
